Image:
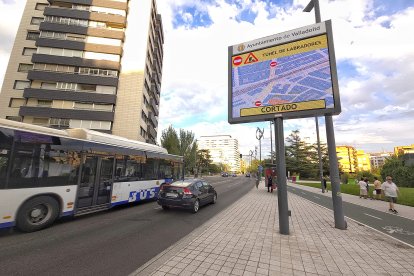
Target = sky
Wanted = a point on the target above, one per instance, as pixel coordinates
(374, 49)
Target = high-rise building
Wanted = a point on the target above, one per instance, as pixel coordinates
(347, 158)
(223, 149)
(364, 162)
(90, 64)
(378, 159)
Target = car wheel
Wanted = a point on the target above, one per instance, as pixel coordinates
(37, 213)
(196, 206)
(165, 207)
(214, 199)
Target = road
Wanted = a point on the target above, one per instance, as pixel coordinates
(115, 242)
(396, 226)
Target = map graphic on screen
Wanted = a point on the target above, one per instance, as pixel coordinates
(290, 77)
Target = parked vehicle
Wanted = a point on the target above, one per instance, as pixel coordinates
(189, 194)
(224, 174)
(247, 174)
(233, 174)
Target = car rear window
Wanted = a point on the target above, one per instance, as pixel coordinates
(181, 184)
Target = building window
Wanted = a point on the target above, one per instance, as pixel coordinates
(20, 85)
(36, 20)
(16, 102)
(143, 133)
(41, 6)
(32, 35)
(40, 121)
(48, 85)
(14, 118)
(29, 51)
(44, 103)
(25, 67)
(59, 122)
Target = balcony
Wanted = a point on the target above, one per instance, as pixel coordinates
(153, 119)
(47, 112)
(74, 78)
(67, 95)
(151, 131)
(154, 106)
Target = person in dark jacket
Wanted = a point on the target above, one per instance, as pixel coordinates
(270, 184)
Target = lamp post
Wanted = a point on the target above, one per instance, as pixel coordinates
(259, 136)
(195, 158)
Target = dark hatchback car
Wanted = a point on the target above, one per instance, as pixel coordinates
(188, 194)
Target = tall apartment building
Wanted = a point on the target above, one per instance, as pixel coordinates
(93, 64)
(347, 158)
(401, 150)
(364, 161)
(223, 150)
(378, 159)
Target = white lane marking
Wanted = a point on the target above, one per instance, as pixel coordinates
(372, 216)
(317, 197)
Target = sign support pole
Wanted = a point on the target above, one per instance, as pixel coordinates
(281, 178)
(339, 217)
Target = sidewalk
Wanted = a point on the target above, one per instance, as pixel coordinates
(379, 205)
(244, 239)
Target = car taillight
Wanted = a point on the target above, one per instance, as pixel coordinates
(187, 191)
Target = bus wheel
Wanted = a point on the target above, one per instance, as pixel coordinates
(37, 213)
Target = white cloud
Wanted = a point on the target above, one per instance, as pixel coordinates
(376, 95)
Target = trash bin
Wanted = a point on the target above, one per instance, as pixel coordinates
(294, 179)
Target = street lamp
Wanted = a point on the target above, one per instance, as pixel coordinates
(259, 136)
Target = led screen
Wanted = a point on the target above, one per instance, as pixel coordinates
(284, 80)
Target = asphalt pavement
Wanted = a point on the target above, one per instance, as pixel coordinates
(369, 212)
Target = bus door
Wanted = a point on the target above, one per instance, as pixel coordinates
(96, 181)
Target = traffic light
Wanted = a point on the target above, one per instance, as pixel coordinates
(241, 155)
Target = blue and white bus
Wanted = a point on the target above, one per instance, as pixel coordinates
(47, 173)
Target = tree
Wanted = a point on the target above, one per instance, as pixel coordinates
(300, 157)
(182, 144)
(203, 159)
(402, 174)
(169, 141)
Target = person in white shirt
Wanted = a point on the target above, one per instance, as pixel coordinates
(363, 188)
(391, 193)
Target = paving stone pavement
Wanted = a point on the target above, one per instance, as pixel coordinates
(244, 239)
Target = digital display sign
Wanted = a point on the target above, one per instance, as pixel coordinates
(289, 75)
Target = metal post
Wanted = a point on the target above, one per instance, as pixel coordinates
(281, 178)
(319, 155)
(339, 217)
(271, 143)
(340, 222)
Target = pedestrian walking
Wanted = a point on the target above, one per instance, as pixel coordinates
(391, 193)
(325, 186)
(270, 184)
(362, 188)
(377, 187)
(366, 180)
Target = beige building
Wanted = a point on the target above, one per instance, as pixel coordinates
(89, 64)
(223, 150)
(378, 159)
